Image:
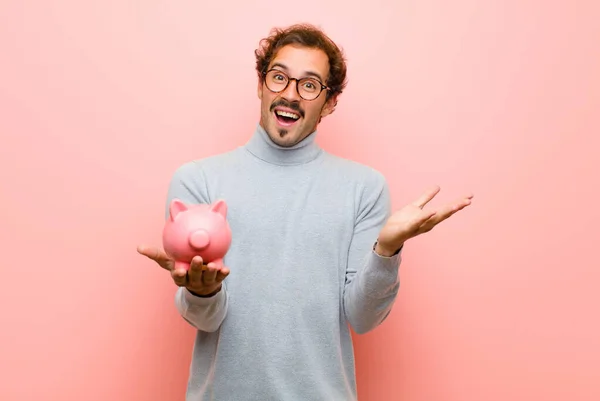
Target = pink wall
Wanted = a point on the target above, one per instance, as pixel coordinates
(500, 98)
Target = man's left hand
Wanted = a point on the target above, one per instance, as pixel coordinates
(412, 220)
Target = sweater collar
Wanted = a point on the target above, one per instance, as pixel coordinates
(261, 146)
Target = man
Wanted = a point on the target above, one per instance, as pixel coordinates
(315, 249)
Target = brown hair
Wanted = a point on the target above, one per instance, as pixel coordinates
(309, 36)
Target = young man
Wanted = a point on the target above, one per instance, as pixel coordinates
(315, 249)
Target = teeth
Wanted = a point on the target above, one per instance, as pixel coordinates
(286, 114)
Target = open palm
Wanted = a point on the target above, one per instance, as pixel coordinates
(413, 220)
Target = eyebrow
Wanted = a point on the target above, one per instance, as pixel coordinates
(308, 73)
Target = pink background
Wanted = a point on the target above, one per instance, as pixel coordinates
(101, 100)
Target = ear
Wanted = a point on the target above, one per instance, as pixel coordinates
(219, 207)
(176, 207)
(259, 89)
(329, 106)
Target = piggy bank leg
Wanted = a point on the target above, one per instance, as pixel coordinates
(182, 265)
(218, 263)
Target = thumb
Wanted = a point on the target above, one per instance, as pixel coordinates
(157, 255)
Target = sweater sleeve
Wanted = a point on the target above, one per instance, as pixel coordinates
(372, 281)
(203, 313)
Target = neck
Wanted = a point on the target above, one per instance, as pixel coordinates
(262, 146)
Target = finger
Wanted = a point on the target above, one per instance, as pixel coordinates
(443, 214)
(150, 252)
(424, 217)
(221, 274)
(196, 270)
(456, 206)
(180, 277)
(210, 275)
(466, 201)
(426, 197)
(157, 255)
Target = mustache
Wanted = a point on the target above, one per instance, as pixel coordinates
(292, 106)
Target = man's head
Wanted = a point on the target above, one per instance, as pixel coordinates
(314, 70)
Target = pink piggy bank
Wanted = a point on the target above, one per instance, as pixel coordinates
(197, 229)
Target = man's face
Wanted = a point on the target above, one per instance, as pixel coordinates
(295, 62)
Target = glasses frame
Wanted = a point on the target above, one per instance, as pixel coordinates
(290, 79)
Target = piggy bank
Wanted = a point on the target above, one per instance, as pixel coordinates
(197, 229)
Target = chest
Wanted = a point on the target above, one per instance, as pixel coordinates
(290, 233)
(280, 216)
(309, 210)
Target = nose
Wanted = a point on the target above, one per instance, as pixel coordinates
(199, 239)
(291, 91)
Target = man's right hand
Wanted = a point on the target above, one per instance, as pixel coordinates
(201, 280)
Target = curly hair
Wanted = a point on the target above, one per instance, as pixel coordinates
(309, 36)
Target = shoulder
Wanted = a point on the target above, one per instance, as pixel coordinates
(368, 185)
(191, 181)
(359, 174)
(198, 168)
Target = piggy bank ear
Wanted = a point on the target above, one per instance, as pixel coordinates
(219, 207)
(175, 208)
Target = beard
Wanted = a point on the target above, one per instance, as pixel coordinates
(290, 105)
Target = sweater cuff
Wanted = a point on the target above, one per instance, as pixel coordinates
(395, 253)
(194, 300)
(386, 262)
(380, 277)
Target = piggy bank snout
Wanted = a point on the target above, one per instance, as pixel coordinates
(199, 239)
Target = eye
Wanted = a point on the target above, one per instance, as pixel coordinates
(310, 86)
(279, 77)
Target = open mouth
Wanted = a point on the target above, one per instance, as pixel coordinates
(286, 118)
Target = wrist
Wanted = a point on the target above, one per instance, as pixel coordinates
(204, 294)
(386, 251)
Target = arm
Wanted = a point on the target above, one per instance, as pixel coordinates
(205, 313)
(371, 278)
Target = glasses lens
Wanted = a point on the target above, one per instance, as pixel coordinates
(309, 88)
(276, 80)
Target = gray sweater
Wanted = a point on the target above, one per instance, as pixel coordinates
(303, 270)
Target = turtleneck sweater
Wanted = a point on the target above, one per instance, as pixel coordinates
(303, 272)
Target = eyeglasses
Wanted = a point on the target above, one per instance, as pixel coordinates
(308, 88)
